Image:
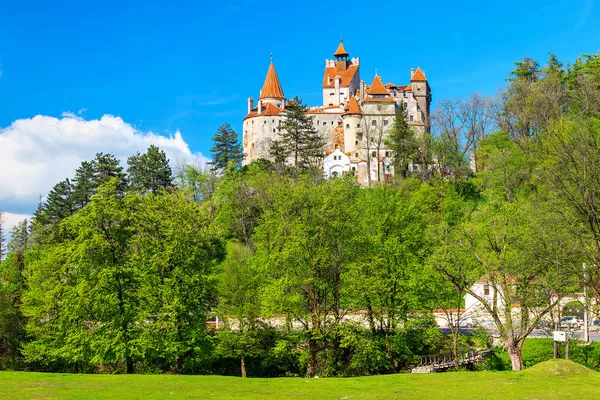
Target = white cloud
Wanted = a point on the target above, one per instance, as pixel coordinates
(11, 220)
(38, 152)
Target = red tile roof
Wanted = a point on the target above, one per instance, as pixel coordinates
(271, 87)
(268, 110)
(352, 107)
(377, 87)
(346, 76)
(419, 76)
(341, 51)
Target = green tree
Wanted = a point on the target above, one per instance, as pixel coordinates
(149, 171)
(304, 248)
(175, 253)
(299, 137)
(226, 148)
(401, 141)
(240, 297)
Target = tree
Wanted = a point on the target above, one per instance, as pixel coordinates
(199, 183)
(239, 296)
(304, 248)
(226, 148)
(401, 141)
(81, 298)
(175, 254)
(149, 171)
(528, 69)
(2, 237)
(384, 276)
(299, 137)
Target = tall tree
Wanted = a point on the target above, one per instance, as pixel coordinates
(2, 237)
(300, 138)
(401, 141)
(304, 248)
(149, 171)
(226, 148)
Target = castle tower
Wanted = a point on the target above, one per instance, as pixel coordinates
(271, 91)
(261, 124)
(341, 78)
(422, 94)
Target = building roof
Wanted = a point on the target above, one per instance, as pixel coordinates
(377, 87)
(419, 76)
(346, 76)
(341, 51)
(352, 107)
(408, 88)
(268, 110)
(271, 87)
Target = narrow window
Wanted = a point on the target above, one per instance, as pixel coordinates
(385, 122)
(325, 123)
(486, 290)
(387, 153)
(373, 123)
(356, 155)
(356, 142)
(347, 126)
(411, 118)
(374, 154)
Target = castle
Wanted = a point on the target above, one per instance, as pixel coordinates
(354, 118)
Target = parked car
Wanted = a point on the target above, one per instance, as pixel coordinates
(571, 322)
(466, 322)
(596, 324)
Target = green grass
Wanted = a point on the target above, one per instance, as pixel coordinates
(550, 379)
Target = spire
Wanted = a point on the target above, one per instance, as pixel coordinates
(419, 76)
(271, 87)
(341, 51)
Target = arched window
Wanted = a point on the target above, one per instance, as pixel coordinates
(347, 126)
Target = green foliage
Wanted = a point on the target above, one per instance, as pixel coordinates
(402, 142)
(226, 149)
(299, 139)
(149, 171)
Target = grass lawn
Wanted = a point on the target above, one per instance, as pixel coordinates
(551, 379)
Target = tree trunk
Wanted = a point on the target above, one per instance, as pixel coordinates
(129, 362)
(312, 355)
(243, 365)
(179, 365)
(516, 358)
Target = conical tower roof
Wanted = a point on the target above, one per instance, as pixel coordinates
(271, 87)
(377, 87)
(341, 51)
(419, 76)
(352, 107)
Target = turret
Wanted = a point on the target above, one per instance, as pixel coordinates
(271, 91)
(422, 93)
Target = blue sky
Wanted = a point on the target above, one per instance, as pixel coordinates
(190, 66)
(164, 66)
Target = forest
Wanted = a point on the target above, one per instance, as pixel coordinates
(125, 269)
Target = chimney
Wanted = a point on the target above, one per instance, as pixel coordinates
(250, 104)
(260, 106)
(412, 73)
(337, 81)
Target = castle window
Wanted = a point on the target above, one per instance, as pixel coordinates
(273, 130)
(356, 155)
(387, 153)
(385, 122)
(374, 154)
(331, 122)
(354, 168)
(273, 121)
(356, 142)
(347, 126)
(358, 125)
(373, 123)
(332, 94)
(411, 118)
(324, 123)
(486, 290)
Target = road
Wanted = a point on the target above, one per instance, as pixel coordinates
(537, 333)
